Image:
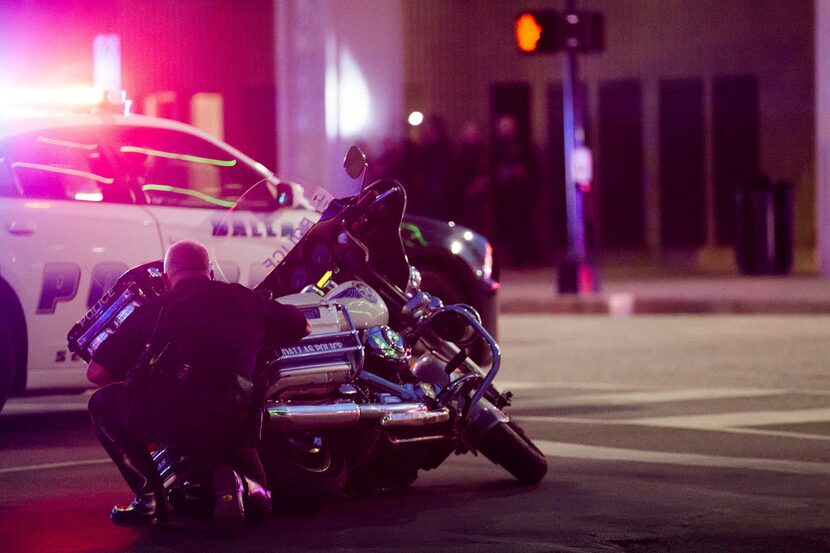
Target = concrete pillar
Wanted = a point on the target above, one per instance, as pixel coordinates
(339, 67)
(822, 61)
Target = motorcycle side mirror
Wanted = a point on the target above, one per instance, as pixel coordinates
(285, 195)
(355, 162)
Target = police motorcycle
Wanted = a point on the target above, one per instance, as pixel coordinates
(382, 388)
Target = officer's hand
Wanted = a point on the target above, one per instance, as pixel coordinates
(99, 375)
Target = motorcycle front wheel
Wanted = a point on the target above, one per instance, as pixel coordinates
(507, 445)
(304, 471)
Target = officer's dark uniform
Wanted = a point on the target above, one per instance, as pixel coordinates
(196, 389)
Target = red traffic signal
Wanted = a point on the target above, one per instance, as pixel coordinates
(546, 31)
(537, 31)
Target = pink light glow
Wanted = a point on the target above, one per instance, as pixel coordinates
(67, 96)
(89, 196)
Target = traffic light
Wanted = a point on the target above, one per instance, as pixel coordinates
(546, 31)
(538, 32)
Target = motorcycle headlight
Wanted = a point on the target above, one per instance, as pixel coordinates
(414, 284)
(387, 344)
(453, 327)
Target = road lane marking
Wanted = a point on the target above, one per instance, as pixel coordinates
(29, 408)
(599, 453)
(47, 466)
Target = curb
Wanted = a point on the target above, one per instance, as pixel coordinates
(629, 304)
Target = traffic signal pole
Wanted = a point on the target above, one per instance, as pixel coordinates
(572, 129)
(546, 32)
(575, 274)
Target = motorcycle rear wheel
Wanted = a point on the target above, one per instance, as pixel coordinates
(507, 445)
(302, 481)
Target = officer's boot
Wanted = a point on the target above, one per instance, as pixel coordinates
(138, 469)
(257, 502)
(228, 493)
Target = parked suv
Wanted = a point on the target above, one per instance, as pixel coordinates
(84, 197)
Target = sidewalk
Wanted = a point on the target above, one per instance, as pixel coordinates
(632, 290)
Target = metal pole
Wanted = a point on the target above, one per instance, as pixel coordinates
(574, 274)
(573, 196)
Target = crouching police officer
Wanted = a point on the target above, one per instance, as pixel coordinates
(181, 371)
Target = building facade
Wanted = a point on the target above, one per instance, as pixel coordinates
(689, 100)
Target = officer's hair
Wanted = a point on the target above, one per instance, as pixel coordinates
(187, 258)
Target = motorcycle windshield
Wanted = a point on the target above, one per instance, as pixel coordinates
(357, 237)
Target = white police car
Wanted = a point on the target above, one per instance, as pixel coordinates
(84, 197)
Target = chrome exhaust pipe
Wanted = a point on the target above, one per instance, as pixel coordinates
(287, 416)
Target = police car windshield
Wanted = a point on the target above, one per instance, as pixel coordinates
(174, 168)
(58, 164)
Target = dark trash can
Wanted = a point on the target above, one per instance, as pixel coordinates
(764, 229)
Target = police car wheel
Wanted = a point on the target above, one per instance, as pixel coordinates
(7, 361)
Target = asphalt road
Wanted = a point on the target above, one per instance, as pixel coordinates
(667, 433)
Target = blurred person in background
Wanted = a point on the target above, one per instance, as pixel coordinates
(391, 163)
(470, 184)
(516, 189)
(427, 168)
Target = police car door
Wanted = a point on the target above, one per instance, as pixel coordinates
(191, 184)
(70, 227)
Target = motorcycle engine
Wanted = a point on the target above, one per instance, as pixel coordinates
(332, 355)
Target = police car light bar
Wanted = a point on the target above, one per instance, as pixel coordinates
(49, 101)
(51, 97)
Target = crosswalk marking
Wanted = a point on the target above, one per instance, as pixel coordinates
(741, 418)
(579, 451)
(514, 385)
(46, 466)
(640, 397)
(644, 422)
